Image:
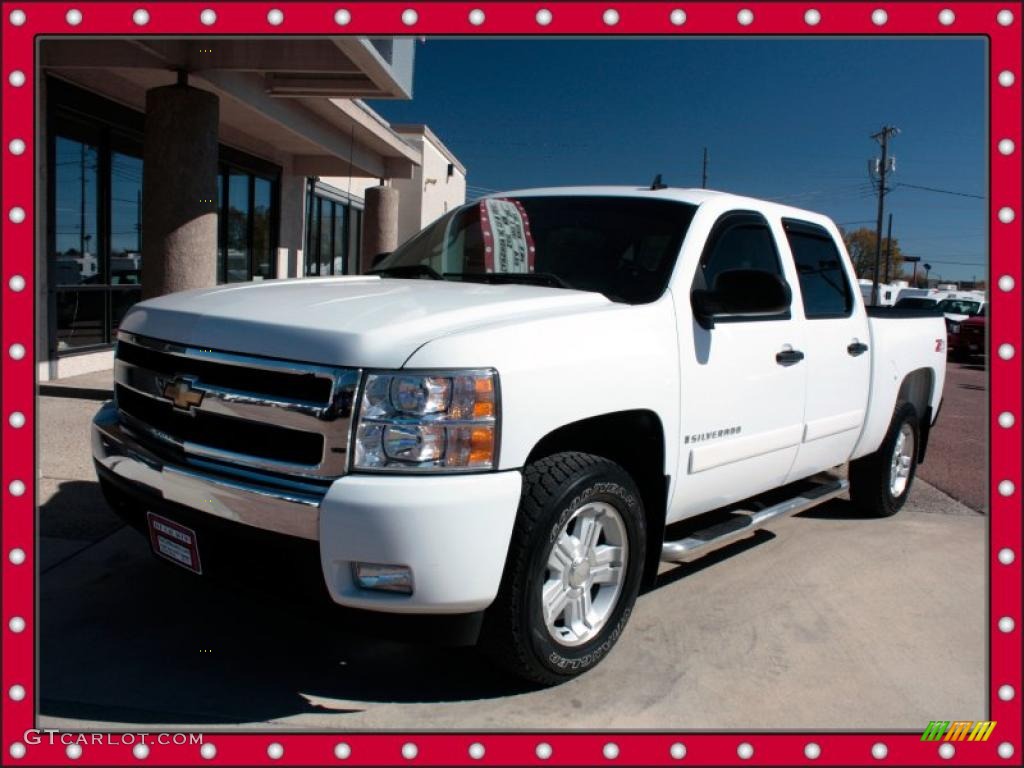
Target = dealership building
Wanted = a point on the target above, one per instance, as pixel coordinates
(169, 164)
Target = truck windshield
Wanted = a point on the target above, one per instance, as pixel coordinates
(622, 247)
(910, 303)
(960, 306)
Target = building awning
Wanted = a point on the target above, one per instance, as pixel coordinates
(278, 96)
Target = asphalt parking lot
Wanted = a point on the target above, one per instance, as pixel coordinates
(824, 621)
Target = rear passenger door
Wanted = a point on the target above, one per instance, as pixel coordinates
(837, 358)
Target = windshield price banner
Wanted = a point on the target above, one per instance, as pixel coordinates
(508, 243)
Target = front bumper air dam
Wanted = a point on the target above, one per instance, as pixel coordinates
(453, 531)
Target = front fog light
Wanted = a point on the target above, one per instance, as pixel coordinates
(388, 578)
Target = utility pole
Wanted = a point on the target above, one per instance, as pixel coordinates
(704, 174)
(888, 249)
(882, 137)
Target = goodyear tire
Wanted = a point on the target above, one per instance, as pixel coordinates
(573, 569)
(880, 482)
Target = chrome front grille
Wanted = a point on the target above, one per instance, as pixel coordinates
(245, 412)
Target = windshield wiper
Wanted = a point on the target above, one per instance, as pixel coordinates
(408, 270)
(531, 278)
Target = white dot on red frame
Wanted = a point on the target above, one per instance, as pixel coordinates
(1006, 351)
(476, 750)
(410, 17)
(1006, 146)
(1006, 623)
(1006, 283)
(1006, 693)
(410, 750)
(610, 751)
(208, 751)
(16, 78)
(275, 751)
(1006, 487)
(1005, 750)
(16, 214)
(879, 751)
(140, 751)
(16, 692)
(16, 420)
(141, 18)
(610, 17)
(677, 751)
(812, 751)
(17, 556)
(16, 283)
(1006, 557)
(275, 16)
(208, 17)
(745, 751)
(1006, 420)
(73, 751)
(543, 750)
(946, 751)
(544, 17)
(17, 17)
(17, 750)
(477, 17)
(745, 17)
(73, 17)
(16, 351)
(1006, 78)
(946, 17)
(812, 17)
(677, 17)
(878, 18)
(342, 751)
(16, 625)
(342, 17)
(1007, 215)
(1005, 17)
(16, 147)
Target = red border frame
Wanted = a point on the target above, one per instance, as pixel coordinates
(646, 18)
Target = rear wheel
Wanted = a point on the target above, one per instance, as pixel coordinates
(881, 481)
(573, 569)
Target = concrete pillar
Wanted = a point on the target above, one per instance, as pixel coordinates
(179, 190)
(292, 229)
(380, 224)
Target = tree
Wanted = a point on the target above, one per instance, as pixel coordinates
(861, 245)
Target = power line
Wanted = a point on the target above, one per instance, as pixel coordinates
(942, 191)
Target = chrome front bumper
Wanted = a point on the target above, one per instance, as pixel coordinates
(295, 513)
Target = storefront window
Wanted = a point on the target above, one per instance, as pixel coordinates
(95, 247)
(247, 235)
(332, 235)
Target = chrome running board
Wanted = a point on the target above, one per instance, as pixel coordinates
(703, 541)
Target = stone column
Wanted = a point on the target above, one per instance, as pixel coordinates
(380, 224)
(179, 190)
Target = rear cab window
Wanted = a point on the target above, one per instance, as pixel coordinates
(824, 285)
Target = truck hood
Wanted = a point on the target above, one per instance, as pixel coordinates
(360, 321)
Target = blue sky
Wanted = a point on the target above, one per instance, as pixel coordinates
(786, 119)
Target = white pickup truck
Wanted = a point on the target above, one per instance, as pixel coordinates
(501, 423)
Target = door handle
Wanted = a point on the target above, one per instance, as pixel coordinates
(857, 348)
(789, 357)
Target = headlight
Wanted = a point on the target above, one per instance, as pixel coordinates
(427, 421)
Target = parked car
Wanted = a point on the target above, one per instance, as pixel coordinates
(498, 426)
(966, 338)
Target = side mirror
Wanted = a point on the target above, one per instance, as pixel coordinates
(746, 293)
(378, 259)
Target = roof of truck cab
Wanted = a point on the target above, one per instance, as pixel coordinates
(693, 196)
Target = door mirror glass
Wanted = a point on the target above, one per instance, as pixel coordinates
(741, 293)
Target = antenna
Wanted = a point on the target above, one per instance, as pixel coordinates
(656, 184)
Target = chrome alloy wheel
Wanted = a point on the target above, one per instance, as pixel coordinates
(584, 574)
(902, 461)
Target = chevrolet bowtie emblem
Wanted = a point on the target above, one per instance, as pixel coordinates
(180, 392)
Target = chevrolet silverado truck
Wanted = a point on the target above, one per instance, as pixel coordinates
(524, 409)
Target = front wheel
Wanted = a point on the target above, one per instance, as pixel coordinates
(573, 570)
(880, 482)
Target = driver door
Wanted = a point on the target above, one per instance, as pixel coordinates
(743, 382)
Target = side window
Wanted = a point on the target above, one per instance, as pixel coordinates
(823, 282)
(739, 240)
